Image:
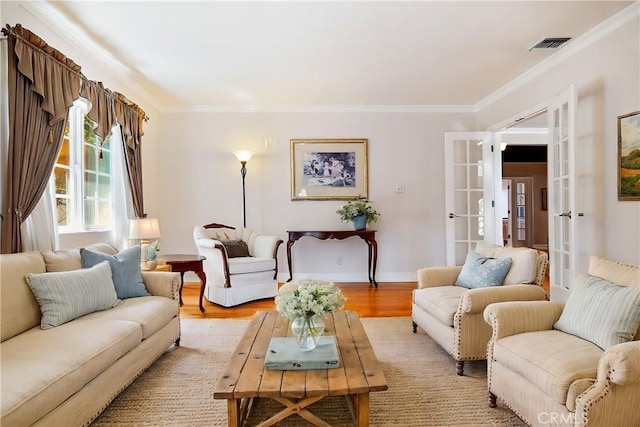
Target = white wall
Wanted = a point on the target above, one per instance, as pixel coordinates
(607, 77)
(201, 183)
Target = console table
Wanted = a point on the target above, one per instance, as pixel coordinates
(369, 236)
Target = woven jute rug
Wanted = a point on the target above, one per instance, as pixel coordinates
(424, 389)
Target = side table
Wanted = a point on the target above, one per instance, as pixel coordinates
(183, 263)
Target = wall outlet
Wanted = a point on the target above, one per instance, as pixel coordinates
(399, 189)
(339, 260)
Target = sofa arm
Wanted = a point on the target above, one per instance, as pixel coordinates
(518, 317)
(476, 300)
(162, 283)
(208, 243)
(266, 246)
(438, 276)
(620, 364)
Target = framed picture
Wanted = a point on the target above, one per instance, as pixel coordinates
(629, 156)
(329, 169)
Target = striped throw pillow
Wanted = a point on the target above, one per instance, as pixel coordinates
(67, 295)
(601, 312)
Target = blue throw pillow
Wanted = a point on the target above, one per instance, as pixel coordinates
(480, 272)
(125, 267)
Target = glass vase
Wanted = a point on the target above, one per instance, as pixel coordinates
(307, 331)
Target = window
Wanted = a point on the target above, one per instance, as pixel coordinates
(83, 175)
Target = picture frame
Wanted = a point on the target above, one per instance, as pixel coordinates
(329, 169)
(629, 156)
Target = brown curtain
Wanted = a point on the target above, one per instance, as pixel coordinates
(131, 118)
(43, 84)
(103, 111)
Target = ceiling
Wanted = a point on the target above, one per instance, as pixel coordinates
(235, 54)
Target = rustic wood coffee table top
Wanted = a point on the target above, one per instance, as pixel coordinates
(246, 378)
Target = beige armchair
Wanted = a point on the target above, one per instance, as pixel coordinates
(453, 315)
(241, 265)
(549, 377)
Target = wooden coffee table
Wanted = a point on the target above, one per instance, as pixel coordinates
(245, 377)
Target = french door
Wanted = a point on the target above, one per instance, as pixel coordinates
(471, 179)
(563, 257)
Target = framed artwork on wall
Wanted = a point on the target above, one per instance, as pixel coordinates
(629, 156)
(329, 169)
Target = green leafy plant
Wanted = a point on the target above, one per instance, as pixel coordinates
(357, 207)
(152, 251)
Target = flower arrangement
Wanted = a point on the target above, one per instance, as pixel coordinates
(152, 251)
(312, 298)
(357, 207)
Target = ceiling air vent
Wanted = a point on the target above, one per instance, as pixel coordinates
(551, 43)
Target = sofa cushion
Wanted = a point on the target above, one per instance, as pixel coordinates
(19, 308)
(480, 271)
(235, 248)
(243, 265)
(69, 259)
(601, 312)
(42, 368)
(440, 301)
(125, 266)
(67, 295)
(552, 360)
(523, 261)
(152, 313)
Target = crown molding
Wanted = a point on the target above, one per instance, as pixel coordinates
(50, 16)
(318, 109)
(574, 46)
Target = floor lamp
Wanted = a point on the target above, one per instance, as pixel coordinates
(243, 156)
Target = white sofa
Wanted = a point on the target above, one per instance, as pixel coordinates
(248, 276)
(68, 374)
(452, 315)
(576, 364)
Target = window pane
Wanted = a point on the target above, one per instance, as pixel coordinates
(90, 184)
(89, 136)
(62, 177)
(104, 163)
(90, 158)
(89, 212)
(61, 207)
(104, 213)
(104, 187)
(107, 143)
(63, 157)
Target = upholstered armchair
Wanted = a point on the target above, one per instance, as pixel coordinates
(453, 315)
(241, 265)
(576, 364)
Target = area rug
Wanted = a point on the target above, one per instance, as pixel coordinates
(424, 389)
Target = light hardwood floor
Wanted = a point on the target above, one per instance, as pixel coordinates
(390, 299)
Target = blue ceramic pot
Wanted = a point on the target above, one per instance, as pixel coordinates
(359, 222)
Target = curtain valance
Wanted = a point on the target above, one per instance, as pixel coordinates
(59, 81)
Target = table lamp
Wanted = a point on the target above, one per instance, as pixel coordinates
(144, 229)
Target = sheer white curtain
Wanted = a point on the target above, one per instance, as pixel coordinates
(122, 202)
(40, 230)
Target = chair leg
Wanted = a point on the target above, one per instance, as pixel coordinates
(459, 367)
(415, 327)
(492, 400)
(177, 342)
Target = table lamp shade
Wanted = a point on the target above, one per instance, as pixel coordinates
(144, 229)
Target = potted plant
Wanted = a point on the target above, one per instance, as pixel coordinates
(152, 254)
(359, 212)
